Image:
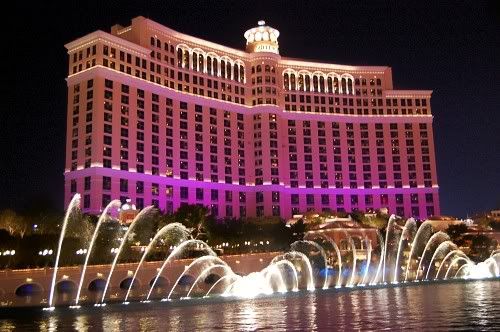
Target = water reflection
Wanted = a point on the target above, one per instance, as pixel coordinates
(470, 306)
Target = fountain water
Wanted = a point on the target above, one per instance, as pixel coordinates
(292, 256)
(114, 203)
(174, 254)
(444, 247)
(159, 234)
(227, 270)
(368, 261)
(197, 261)
(418, 245)
(296, 244)
(223, 278)
(132, 226)
(408, 234)
(433, 243)
(431, 251)
(315, 237)
(75, 201)
(390, 238)
(445, 259)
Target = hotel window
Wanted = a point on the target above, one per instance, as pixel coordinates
(199, 194)
(106, 183)
(123, 185)
(155, 189)
(184, 192)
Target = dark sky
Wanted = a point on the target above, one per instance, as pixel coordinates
(453, 50)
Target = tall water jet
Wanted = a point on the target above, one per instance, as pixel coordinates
(75, 201)
(114, 203)
(442, 250)
(375, 279)
(390, 239)
(294, 246)
(466, 267)
(199, 260)
(368, 261)
(435, 240)
(272, 271)
(350, 283)
(291, 255)
(223, 278)
(287, 263)
(249, 286)
(408, 234)
(139, 216)
(423, 235)
(453, 262)
(313, 237)
(160, 233)
(174, 254)
(225, 267)
(449, 255)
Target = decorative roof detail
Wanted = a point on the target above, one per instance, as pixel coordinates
(262, 39)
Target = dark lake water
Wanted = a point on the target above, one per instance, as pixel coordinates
(438, 307)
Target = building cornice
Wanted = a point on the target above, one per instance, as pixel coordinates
(99, 35)
(407, 93)
(303, 64)
(197, 42)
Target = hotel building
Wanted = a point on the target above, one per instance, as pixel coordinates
(166, 119)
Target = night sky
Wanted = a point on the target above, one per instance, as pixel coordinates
(452, 50)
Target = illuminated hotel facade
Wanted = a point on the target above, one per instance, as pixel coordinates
(166, 119)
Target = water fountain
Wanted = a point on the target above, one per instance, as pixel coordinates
(309, 264)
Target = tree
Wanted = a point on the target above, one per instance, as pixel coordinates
(298, 229)
(456, 231)
(13, 223)
(191, 216)
(482, 246)
(495, 225)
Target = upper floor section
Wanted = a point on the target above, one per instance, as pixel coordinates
(257, 76)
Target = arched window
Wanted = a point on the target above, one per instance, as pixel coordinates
(200, 62)
(329, 83)
(185, 60)
(321, 84)
(259, 68)
(195, 61)
(242, 74)
(228, 70)
(267, 68)
(179, 58)
(253, 69)
(301, 82)
(215, 69)
(236, 72)
(344, 85)
(292, 81)
(336, 85)
(223, 68)
(315, 83)
(349, 86)
(308, 83)
(286, 82)
(209, 65)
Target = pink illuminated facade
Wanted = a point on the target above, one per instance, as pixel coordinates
(164, 118)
